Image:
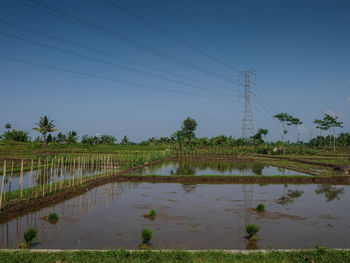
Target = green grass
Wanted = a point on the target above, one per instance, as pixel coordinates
(319, 255)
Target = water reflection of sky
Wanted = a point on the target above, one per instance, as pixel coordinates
(195, 216)
(213, 168)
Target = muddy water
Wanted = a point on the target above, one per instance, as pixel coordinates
(192, 217)
(185, 167)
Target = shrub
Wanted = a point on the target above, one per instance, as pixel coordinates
(260, 208)
(251, 231)
(53, 218)
(30, 235)
(146, 235)
(152, 213)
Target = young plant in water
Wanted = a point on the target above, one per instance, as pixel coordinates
(151, 214)
(52, 218)
(252, 230)
(146, 237)
(260, 208)
(29, 237)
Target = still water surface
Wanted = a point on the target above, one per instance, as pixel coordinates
(192, 216)
(186, 167)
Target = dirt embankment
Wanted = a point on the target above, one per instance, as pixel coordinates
(301, 161)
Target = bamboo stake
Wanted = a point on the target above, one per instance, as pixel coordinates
(69, 172)
(44, 177)
(80, 169)
(73, 175)
(30, 179)
(11, 176)
(21, 178)
(2, 184)
(61, 181)
(38, 178)
(56, 173)
(53, 162)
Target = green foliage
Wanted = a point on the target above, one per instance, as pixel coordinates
(189, 126)
(24, 245)
(45, 126)
(72, 137)
(257, 138)
(61, 138)
(252, 230)
(146, 235)
(319, 255)
(152, 213)
(53, 217)
(260, 208)
(282, 117)
(94, 140)
(107, 139)
(186, 135)
(125, 140)
(30, 235)
(15, 135)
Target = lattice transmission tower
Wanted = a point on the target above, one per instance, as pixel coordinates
(246, 82)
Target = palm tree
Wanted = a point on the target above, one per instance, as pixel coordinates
(297, 122)
(332, 122)
(320, 124)
(283, 117)
(45, 126)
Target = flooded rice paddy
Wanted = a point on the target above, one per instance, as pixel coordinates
(193, 167)
(38, 177)
(192, 216)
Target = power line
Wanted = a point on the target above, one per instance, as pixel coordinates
(269, 117)
(107, 78)
(171, 35)
(60, 13)
(111, 55)
(110, 64)
(161, 5)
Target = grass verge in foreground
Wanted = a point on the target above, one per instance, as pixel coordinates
(319, 255)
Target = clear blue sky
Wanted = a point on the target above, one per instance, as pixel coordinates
(299, 49)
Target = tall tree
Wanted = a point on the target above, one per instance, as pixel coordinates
(332, 122)
(189, 126)
(8, 126)
(72, 136)
(297, 123)
(283, 117)
(45, 126)
(263, 132)
(186, 135)
(322, 125)
(125, 140)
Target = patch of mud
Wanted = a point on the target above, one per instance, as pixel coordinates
(169, 218)
(142, 206)
(277, 215)
(328, 216)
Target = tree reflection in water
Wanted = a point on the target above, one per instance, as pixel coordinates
(188, 188)
(187, 167)
(289, 198)
(330, 192)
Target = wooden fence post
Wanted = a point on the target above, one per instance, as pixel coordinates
(2, 184)
(21, 178)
